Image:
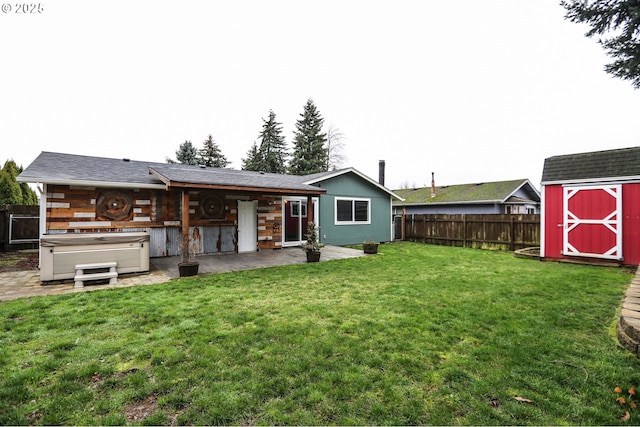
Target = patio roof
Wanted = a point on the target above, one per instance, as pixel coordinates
(183, 176)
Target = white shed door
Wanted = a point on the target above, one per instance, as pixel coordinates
(247, 226)
(593, 221)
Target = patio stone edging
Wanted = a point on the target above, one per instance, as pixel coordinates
(628, 327)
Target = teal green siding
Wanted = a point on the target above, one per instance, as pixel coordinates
(352, 185)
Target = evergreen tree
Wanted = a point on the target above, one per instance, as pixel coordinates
(620, 18)
(253, 161)
(210, 154)
(273, 150)
(187, 154)
(11, 191)
(309, 151)
(29, 197)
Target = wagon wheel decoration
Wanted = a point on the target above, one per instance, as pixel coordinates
(114, 205)
(212, 207)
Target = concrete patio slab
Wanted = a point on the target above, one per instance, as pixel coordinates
(24, 284)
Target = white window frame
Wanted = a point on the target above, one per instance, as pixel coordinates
(303, 208)
(353, 210)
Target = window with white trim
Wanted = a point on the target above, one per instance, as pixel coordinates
(352, 211)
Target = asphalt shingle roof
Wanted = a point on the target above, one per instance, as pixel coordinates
(494, 192)
(62, 168)
(197, 175)
(619, 163)
(58, 167)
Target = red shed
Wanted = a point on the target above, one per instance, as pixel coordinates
(591, 206)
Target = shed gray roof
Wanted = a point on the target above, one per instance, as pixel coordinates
(623, 163)
(71, 169)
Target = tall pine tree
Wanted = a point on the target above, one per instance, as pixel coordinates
(210, 155)
(253, 161)
(309, 151)
(618, 21)
(187, 154)
(273, 149)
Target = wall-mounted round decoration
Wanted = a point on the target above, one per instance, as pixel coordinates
(211, 206)
(114, 205)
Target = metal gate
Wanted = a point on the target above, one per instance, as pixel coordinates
(593, 221)
(397, 227)
(19, 227)
(23, 228)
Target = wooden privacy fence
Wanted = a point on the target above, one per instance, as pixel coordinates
(19, 227)
(482, 231)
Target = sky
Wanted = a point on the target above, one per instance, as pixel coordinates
(471, 91)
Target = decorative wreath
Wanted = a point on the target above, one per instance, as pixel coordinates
(212, 206)
(114, 205)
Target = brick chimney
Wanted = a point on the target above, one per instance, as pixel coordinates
(381, 172)
(433, 185)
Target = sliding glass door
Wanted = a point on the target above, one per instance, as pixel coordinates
(295, 213)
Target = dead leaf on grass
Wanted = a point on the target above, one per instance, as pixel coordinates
(140, 410)
(523, 399)
(625, 417)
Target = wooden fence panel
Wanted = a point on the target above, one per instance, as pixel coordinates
(482, 231)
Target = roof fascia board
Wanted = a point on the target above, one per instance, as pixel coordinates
(522, 184)
(83, 183)
(187, 185)
(355, 171)
(474, 202)
(587, 181)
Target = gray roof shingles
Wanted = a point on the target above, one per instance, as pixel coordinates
(58, 167)
(51, 167)
(619, 163)
(230, 177)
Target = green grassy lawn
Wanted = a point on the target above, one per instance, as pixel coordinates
(417, 334)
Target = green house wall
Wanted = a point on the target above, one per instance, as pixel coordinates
(351, 185)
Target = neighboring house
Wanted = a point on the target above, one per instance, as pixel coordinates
(591, 206)
(500, 197)
(225, 210)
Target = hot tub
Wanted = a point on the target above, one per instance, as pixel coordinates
(60, 253)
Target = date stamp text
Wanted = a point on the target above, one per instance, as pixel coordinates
(22, 8)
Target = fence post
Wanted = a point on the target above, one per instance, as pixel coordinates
(4, 229)
(464, 230)
(512, 235)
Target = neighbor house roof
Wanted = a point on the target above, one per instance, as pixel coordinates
(623, 163)
(323, 176)
(71, 169)
(477, 193)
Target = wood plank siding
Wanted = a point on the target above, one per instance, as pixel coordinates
(86, 209)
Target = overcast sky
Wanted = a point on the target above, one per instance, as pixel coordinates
(474, 91)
